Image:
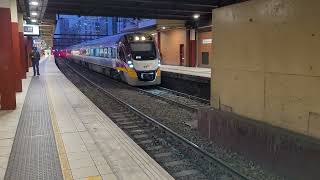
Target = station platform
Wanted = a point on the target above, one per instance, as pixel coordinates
(190, 80)
(192, 71)
(56, 132)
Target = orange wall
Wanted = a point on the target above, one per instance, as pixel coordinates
(204, 47)
(170, 46)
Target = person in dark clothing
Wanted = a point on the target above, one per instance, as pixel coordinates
(35, 56)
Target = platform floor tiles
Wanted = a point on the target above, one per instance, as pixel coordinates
(8, 124)
(89, 145)
(193, 71)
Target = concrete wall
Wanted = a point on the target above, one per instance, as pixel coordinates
(170, 45)
(267, 62)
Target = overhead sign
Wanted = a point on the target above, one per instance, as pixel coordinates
(31, 30)
(206, 41)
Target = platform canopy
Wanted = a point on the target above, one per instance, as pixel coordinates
(158, 9)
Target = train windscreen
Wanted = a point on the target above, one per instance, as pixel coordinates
(143, 51)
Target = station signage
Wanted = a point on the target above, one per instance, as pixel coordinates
(207, 41)
(31, 30)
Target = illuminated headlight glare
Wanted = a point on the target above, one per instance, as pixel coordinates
(131, 65)
(129, 62)
(143, 38)
(159, 64)
(137, 38)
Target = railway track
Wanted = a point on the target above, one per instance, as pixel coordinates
(180, 157)
(183, 100)
(186, 101)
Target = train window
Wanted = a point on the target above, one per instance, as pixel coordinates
(114, 52)
(91, 52)
(97, 53)
(109, 52)
(143, 51)
(105, 52)
(101, 52)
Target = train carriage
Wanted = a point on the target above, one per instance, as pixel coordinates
(133, 57)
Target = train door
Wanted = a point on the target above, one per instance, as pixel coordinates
(181, 54)
(121, 54)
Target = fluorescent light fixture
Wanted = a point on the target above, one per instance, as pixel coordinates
(196, 16)
(34, 3)
(33, 20)
(34, 13)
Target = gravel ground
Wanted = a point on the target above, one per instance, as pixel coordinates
(174, 97)
(177, 118)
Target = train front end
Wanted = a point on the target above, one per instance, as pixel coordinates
(143, 61)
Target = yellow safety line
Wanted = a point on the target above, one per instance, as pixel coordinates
(94, 178)
(65, 167)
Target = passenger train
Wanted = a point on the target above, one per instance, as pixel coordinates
(133, 57)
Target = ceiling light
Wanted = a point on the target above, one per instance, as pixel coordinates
(34, 13)
(137, 38)
(143, 38)
(196, 16)
(163, 27)
(33, 20)
(34, 3)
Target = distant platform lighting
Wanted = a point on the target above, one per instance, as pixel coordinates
(163, 27)
(143, 38)
(34, 3)
(137, 38)
(196, 16)
(33, 20)
(34, 13)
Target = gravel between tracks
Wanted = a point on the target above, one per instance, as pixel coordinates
(171, 116)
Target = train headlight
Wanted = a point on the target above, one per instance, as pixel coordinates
(159, 64)
(130, 64)
(143, 38)
(137, 38)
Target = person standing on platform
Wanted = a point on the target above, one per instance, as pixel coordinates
(35, 56)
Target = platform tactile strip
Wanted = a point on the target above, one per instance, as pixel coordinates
(34, 153)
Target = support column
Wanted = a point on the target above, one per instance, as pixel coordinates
(23, 54)
(192, 48)
(187, 49)
(159, 41)
(28, 45)
(16, 45)
(7, 75)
